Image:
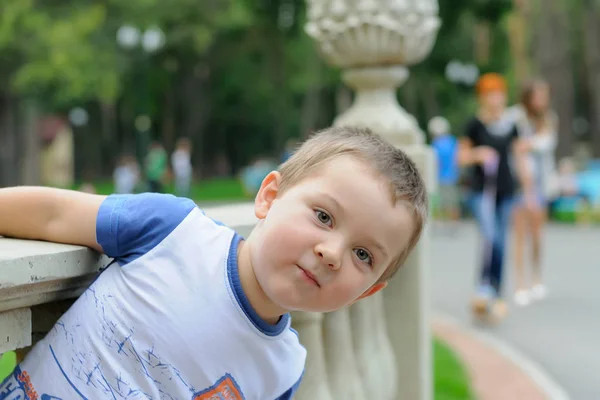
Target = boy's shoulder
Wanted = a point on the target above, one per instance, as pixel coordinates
(129, 226)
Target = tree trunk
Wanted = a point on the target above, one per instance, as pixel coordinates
(276, 53)
(482, 38)
(430, 99)
(8, 141)
(311, 103)
(108, 125)
(554, 58)
(518, 38)
(196, 107)
(30, 162)
(168, 119)
(591, 38)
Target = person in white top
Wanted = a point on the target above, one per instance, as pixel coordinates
(181, 163)
(126, 175)
(191, 310)
(537, 125)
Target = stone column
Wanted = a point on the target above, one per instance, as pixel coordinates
(343, 368)
(374, 41)
(315, 383)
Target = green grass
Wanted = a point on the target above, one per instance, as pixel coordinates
(213, 190)
(7, 364)
(451, 381)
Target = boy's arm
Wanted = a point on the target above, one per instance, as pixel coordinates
(54, 215)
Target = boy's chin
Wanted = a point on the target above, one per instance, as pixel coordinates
(315, 308)
(299, 304)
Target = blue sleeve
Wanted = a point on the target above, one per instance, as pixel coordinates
(128, 226)
(289, 394)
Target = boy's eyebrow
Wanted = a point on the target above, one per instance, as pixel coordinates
(380, 247)
(333, 200)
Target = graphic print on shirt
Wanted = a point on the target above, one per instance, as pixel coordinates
(89, 376)
(224, 389)
(18, 386)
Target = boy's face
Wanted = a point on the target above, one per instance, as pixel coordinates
(327, 240)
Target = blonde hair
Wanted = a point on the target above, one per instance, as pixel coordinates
(391, 163)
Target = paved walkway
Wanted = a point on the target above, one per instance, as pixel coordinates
(493, 375)
(562, 333)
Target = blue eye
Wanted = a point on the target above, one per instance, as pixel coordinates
(364, 256)
(323, 217)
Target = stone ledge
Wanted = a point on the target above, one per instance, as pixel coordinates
(34, 272)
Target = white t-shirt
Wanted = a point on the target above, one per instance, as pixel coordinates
(540, 160)
(167, 320)
(181, 163)
(125, 178)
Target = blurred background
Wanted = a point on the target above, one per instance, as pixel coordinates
(86, 87)
(204, 98)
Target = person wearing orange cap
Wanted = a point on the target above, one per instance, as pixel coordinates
(493, 153)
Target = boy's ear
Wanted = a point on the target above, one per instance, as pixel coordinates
(372, 290)
(266, 194)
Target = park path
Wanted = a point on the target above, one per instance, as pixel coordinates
(560, 334)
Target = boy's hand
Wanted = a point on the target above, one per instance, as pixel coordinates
(54, 215)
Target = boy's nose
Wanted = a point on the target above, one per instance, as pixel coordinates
(329, 254)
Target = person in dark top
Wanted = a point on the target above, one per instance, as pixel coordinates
(492, 151)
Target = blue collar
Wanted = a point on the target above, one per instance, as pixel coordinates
(240, 296)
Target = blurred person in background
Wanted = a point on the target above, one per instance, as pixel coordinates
(571, 194)
(181, 164)
(126, 175)
(537, 125)
(445, 146)
(87, 187)
(290, 147)
(156, 167)
(490, 141)
(568, 186)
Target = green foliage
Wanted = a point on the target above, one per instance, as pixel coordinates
(68, 52)
(67, 57)
(203, 191)
(252, 78)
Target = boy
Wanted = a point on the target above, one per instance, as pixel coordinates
(190, 310)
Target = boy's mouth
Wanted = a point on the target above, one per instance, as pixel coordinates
(309, 277)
